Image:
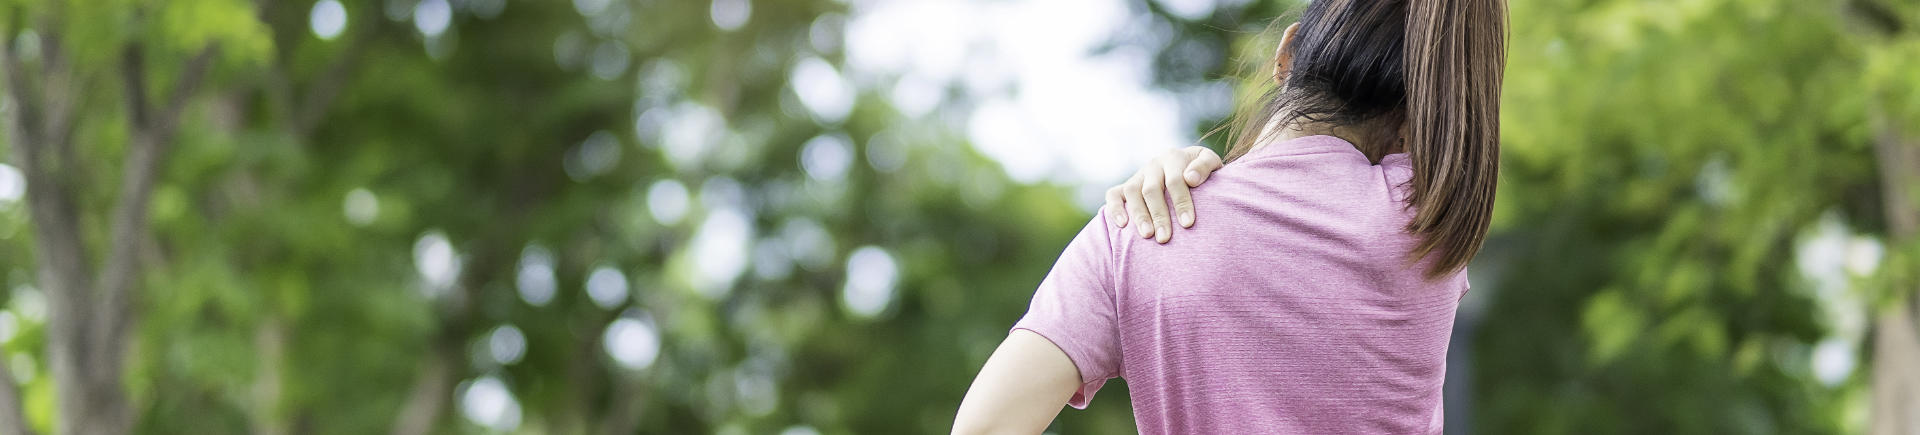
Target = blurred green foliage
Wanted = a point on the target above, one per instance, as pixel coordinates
(1664, 162)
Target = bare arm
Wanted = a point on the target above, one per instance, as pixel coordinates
(1022, 387)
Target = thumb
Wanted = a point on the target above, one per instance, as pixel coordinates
(1202, 166)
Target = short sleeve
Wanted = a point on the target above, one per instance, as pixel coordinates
(1075, 309)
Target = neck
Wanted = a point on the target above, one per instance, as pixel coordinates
(1294, 130)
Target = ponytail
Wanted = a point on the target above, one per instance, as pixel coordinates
(1455, 56)
(1424, 74)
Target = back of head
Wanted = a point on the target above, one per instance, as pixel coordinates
(1420, 74)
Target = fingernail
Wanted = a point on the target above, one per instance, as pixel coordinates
(1193, 175)
(1144, 232)
(1186, 219)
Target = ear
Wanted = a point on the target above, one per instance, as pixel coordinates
(1283, 54)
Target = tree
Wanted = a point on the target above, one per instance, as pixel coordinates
(1892, 107)
(439, 216)
(258, 299)
(1671, 192)
(90, 302)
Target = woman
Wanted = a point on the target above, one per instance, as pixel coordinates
(1318, 294)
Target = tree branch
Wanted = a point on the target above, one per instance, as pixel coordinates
(27, 97)
(302, 111)
(319, 97)
(56, 130)
(129, 220)
(133, 68)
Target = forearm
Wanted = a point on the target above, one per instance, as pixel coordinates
(1021, 388)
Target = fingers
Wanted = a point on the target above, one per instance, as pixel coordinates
(1169, 178)
(1203, 162)
(1136, 208)
(1116, 207)
(1153, 190)
(1177, 193)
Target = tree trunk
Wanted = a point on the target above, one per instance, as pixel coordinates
(270, 343)
(1896, 340)
(428, 398)
(89, 307)
(12, 420)
(90, 399)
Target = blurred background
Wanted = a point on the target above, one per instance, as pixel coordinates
(820, 216)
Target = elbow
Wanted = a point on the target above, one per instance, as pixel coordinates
(977, 427)
(970, 423)
(964, 424)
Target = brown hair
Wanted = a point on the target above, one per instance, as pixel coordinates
(1422, 73)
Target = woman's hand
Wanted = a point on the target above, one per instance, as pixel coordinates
(1166, 178)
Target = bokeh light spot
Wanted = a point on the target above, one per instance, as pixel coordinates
(595, 156)
(822, 89)
(25, 368)
(535, 279)
(729, 15)
(827, 33)
(328, 19)
(432, 17)
(609, 60)
(632, 341)
(607, 287)
(506, 344)
(488, 402)
(800, 430)
(437, 262)
(29, 303)
(827, 157)
(591, 7)
(9, 325)
(720, 251)
(1833, 360)
(667, 201)
(871, 275)
(691, 130)
(886, 152)
(361, 207)
(13, 185)
(1190, 10)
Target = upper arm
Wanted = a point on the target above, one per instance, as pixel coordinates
(1060, 353)
(1021, 388)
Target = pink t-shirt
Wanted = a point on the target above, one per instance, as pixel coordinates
(1289, 307)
